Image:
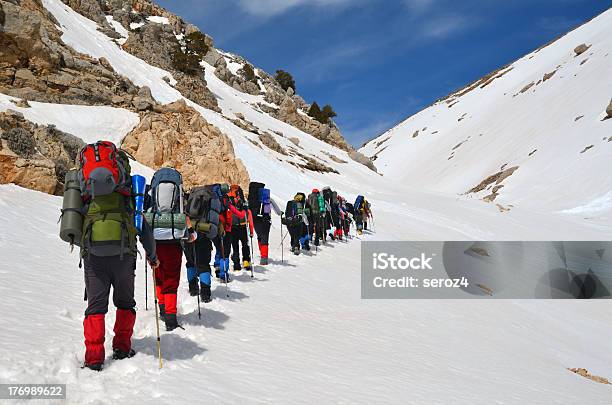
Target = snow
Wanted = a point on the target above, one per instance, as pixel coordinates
(504, 126)
(158, 19)
(82, 34)
(119, 28)
(90, 123)
(136, 25)
(299, 332)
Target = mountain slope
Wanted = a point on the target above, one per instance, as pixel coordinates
(298, 332)
(543, 114)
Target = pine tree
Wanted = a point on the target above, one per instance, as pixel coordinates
(329, 112)
(187, 60)
(285, 79)
(314, 111)
(195, 43)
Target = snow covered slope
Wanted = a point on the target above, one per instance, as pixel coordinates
(409, 208)
(298, 332)
(543, 114)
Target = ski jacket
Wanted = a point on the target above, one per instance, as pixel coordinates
(226, 217)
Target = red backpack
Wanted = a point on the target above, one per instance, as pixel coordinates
(103, 170)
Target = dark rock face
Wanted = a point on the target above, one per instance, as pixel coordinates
(35, 156)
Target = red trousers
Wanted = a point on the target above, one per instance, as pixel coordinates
(168, 274)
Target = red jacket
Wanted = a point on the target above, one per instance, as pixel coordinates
(226, 217)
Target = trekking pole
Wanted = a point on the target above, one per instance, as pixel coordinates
(251, 236)
(159, 353)
(147, 287)
(224, 265)
(282, 239)
(195, 263)
(316, 235)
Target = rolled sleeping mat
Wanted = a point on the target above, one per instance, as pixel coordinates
(71, 226)
(166, 221)
(139, 184)
(209, 229)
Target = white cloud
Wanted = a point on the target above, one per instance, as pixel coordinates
(270, 8)
(444, 26)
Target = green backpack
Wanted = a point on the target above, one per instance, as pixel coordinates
(321, 203)
(108, 223)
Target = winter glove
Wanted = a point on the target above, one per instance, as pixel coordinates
(154, 264)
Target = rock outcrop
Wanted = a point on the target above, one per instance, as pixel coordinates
(36, 65)
(35, 156)
(580, 49)
(363, 159)
(152, 42)
(289, 113)
(609, 110)
(178, 136)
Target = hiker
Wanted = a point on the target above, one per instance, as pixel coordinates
(358, 213)
(203, 209)
(337, 217)
(223, 244)
(347, 208)
(261, 203)
(367, 213)
(328, 219)
(304, 231)
(317, 223)
(108, 247)
(239, 229)
(294, 220)
(170, 227)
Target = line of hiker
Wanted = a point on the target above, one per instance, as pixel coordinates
(106, 209)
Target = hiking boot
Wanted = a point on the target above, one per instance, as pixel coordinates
(296, 251)
(94, 367)
(171, 322)
(194, 289)
(263, 261)
(307, 246)
(119, 355)
(237, 266)
(247, 265)
(162, 311)
(205, 293)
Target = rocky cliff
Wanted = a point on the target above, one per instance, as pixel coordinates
(177, 136)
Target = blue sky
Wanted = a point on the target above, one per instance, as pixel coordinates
(379, 61)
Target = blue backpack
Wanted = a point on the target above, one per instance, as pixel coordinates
(358, 203)
(259, 199)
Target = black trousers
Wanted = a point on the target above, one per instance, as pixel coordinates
(295, 232)
(199, 253)
(262, 228)
(240, 236)
(316, 226)
(103, 272)
(359, 222)
(223, 250)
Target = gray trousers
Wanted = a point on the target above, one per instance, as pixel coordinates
(103, 272)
